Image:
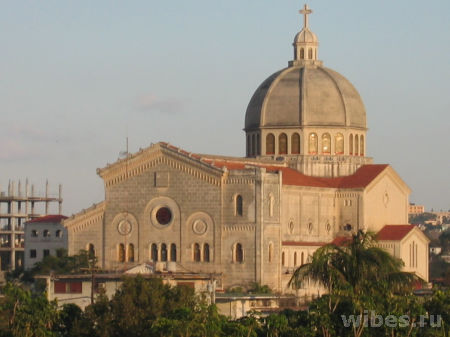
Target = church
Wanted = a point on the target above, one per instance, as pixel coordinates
(306, 181)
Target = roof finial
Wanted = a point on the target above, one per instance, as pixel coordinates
(305, 11)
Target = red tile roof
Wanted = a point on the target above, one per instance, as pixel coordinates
(341, 240)
(361, 178)
(303, 243)
(54, 218)
(394, 232)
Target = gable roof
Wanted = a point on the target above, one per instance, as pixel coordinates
(394, 232)
(360, 179)
(53, 218)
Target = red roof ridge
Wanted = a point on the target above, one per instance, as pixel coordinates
(394, 232)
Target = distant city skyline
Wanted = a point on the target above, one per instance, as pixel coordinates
(80, 77)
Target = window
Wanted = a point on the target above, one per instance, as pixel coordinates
(258, 144)
(60, 252)
(34, 233)
(310, 53)
(361, 145)
(295, 259)
(339, 143)
(33, 253)
(130, 252)
(59, 233)
(121, 252)
(163, 216)
(164, 252)
(270, 252)
(173, 252)
(302, 258)
(46, 252)
(206, 252)
(239, 253)
(270, 144)
(283, 259)
(295, 143)
(302, 53)
(63, 287)
(197, 253)
(356, 145)
(154, 252)
(326, 143)
(312, 148)
(91, 250)
(282, 144)
(253, 145)
(239, 205)
(350, 144)
(46, 233)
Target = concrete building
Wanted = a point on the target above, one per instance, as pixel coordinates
(44, 236)
(416, 209)
(305, 181)
(18, 205)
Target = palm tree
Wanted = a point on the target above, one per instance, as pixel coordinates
(357, 270)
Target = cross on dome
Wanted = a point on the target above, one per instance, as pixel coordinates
(305, 11)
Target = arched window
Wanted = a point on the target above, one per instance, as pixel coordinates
(302, 259)
(270, 252)
(164, 252)
(302, 53)
(295, 143)
(356, 145)
(34, 233)
(239, 205)
(258, 144)
(154, 252)
(361, 145)
(295, 259)
(197, 255)
(253, 145)
(283, 259)
(350, 144)
(270, 144)
(239, 253)
(91, 250)
(206, 252)
(46, 233)
(282, 144)
(173, 252)
(339, 143)
(121, 252)
(130, 252)
(326, 143)
(310, 53)
(248, 146)
(312, 148)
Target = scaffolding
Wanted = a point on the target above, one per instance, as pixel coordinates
(17, 206)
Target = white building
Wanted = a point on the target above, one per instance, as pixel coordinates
(43, 237)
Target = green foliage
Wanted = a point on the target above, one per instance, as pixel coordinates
(421, 218)
(64, 264)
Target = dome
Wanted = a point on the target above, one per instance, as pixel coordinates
(307, 95)
(306, 36)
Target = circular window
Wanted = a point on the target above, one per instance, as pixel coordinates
(163, 215)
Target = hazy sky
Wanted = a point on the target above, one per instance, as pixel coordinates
(77, 77)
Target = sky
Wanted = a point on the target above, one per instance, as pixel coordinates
(78, 77)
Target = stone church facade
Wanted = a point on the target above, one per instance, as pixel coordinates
(305, 181)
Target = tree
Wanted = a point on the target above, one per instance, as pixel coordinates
(357, 271)
(28, 315)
